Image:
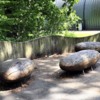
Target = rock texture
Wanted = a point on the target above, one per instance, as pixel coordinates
(15, 69)
(80, 60)
(87, 45)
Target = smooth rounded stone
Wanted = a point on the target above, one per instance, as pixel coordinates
(15, 69)
(87, 45)
(80, 60)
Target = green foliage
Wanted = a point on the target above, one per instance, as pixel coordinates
(25, 19)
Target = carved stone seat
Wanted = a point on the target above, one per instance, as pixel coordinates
(80, 60)
(15, 69)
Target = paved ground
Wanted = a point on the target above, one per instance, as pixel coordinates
(48, 82)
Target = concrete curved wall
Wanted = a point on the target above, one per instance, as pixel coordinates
(41, 46)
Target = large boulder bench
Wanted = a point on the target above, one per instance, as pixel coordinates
(79, 61)
(16, 69)
(87, 45)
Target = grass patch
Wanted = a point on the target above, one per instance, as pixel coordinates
(78, 34)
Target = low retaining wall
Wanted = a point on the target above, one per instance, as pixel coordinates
(41, 46)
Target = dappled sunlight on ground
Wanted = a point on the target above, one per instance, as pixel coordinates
(49, 82)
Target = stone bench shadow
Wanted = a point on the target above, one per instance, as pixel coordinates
(61, 74)
(15, 84)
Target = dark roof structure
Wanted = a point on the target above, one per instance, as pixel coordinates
(89, 12)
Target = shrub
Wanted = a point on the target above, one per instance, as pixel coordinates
(24, 19)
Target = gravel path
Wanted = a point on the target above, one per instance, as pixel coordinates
(48, 82)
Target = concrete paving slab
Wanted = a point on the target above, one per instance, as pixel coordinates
(49, 82)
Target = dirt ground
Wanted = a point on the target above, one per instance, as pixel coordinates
(49, 82)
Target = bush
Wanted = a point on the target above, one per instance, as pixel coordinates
(25, 19)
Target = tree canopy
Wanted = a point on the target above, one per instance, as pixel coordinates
(22, 19)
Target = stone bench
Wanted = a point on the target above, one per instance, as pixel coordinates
(80, 60)
(87, 45)
(15, 69)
